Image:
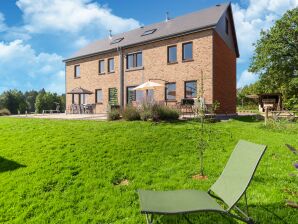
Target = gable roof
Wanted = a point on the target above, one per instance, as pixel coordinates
(193, 22)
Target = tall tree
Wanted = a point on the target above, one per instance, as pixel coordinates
(30, 100)
(14, 101)
(276, 58)
(47, 101)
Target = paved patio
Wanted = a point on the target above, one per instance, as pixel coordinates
(64, 116)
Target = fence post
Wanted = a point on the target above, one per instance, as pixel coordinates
(266, 115)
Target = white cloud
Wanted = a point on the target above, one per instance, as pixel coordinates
(51, 24)
(3, 26)
(72, 16)
(260, 14)
(246, 78)
(22, 68)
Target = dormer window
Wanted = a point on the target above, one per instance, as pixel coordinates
(147, 32)
(117, 40)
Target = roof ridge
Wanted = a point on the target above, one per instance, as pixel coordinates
(201, 19)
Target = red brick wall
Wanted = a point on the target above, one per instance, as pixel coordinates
(224, 75)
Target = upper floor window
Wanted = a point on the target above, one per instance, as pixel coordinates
(227, 26)
(77, 72)
(101, 66)
(134, 60)
(111, 65)
(170, 91)
(172, 54)
(187, 51)
(191, 89)
(98, 96)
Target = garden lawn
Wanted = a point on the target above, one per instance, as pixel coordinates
(54, 171)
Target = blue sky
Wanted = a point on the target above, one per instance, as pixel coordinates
(35, 35)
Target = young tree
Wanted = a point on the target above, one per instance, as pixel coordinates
(276, 58)
(200, 111)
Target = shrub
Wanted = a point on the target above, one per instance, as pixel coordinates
(146, 112)
(113, 115)
(4, 112)
(160, 112)
(146, 115)
(131, 113)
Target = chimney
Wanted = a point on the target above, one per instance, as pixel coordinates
(110, 34)
(167, 16)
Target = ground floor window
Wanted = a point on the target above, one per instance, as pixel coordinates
(134, 95)
(170, 91)
(98, 96)
(113, 96)
(190, 89)
(83, 98)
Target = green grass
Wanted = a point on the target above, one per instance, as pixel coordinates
(63, 171)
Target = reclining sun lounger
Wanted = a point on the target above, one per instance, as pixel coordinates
(229, 188)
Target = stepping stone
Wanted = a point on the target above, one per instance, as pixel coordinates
(291, 204)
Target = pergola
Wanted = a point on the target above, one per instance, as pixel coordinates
(79, 91)
(272, 100)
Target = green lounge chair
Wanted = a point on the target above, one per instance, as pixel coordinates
(229, 188)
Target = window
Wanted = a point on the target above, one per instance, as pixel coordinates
(129, 61)
(82, 99)
(134, 95)
(190, 89)
(111, 65)
(170, 93)
(101, 66)
(113, 96)
(147, 32)
(227, 26)
(187, 51)
(134, 60)
(98, 96)
(172, 54)
(117, 40)
(77, 71)
(139, 59)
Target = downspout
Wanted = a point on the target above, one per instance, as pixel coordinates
(121, 76)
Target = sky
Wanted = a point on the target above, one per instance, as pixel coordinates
(36, 35)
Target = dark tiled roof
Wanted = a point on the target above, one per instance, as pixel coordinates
(195, 21)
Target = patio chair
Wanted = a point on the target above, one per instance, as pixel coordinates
(228, 189)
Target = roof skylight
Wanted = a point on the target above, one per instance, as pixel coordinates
(117, 40)
(147, 32)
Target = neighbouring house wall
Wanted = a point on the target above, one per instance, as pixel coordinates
(224, 81)
(155, 66)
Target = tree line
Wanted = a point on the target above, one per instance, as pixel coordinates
(31, 101)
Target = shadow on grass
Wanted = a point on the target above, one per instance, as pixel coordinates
(261, 213)
(9, 165)
(249, 118)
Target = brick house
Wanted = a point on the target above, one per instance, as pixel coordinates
(178, 53)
